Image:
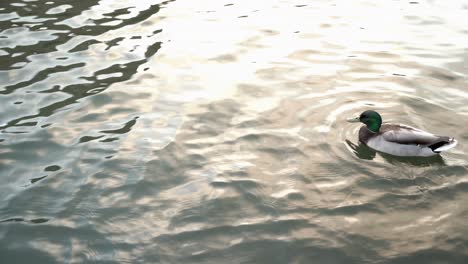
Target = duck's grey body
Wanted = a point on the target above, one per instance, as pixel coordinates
(402, 140)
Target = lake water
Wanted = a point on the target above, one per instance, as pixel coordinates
(214, 131)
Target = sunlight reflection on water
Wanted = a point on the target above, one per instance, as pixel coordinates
(208, 131)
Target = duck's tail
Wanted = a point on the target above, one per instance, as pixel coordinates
(443, 145)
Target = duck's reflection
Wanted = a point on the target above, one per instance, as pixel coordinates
(364, 152)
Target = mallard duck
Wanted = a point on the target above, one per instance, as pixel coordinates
(399, 140)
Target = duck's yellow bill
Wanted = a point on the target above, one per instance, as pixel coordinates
(353, 120)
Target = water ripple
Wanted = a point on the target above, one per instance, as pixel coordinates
(208, 132)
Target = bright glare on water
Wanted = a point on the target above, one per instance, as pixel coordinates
(215, 131)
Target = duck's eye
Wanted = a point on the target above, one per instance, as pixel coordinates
(363, 116)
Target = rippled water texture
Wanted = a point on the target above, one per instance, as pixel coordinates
(214, 131)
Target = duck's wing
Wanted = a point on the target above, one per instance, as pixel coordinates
(407, 135)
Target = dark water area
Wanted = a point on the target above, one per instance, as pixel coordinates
(215, 131)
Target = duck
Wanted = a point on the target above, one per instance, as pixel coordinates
(398, 139)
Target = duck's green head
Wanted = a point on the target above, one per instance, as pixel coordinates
(370, 118)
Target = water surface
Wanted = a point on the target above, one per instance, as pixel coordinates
(214, 131)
